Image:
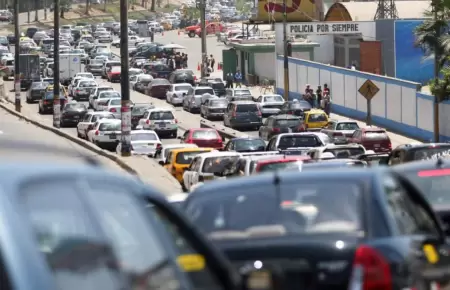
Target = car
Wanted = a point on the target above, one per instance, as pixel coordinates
(83, 89)
(315, 119)
(339, 151)
(72, 113)
(245, 144)
(177, 92)
(158, 88)
(142, 83)
(96, 92)
(182, 76)
(137, 112)
(213, 108)
(103, 37)
(306, 140)
(89, 119)
(278, 124)
(161, 120)
(215, 83)
(270, 104)
(202, 137)
(230, 94)
(85, 75)
(73, 84)
(242, 115)
(296, 211)
(372, 138)
(275, 163)
(94, 66)
(114, 74)
(162, 152)
(192, 101)
(295, 107)
(105, 133)
(83, 55)
(35, 91)
(143, 142)
(113, 106)
(107, 65)
(340, 129)
(46, 102)
(135, 79)
(417, 151)
(103, 97)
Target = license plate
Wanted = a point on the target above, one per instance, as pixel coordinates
(82, 92)
(162, 125)
(112, 136)
(376, 145)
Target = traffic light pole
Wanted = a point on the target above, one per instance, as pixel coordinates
(202, 6)
(286, 54)
(124, 82)
(17, 57)
(56, 100)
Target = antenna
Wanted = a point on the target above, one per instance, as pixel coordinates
(386, 10)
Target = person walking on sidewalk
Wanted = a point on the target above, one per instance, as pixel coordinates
(238, 78)
(229, 79)
(212, 62)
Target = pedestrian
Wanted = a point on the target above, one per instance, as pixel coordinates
(178, 61)
(229, 79)
(327, 103)
(309, 95)
(319, 96)
(326, 90)
(171, 63)
(238, 78)
(212, 61)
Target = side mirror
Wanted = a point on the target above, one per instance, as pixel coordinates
(161, 163)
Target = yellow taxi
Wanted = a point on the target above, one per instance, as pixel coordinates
(179, 160)
(61, 87)
(315, 119)
(25, 38)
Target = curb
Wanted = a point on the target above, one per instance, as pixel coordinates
(76, 140)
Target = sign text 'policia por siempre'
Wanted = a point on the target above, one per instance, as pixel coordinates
(325, 28)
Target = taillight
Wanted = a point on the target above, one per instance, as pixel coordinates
(113, 110)
(276, 130)
(176, 121)
(259, 113)
(302, 128)
(158, 146)
(147, 122)
(96, 133)
(335, 134)
(289, 113)
(77, 91)
(390, 145)
(46, 102)
(371, 271)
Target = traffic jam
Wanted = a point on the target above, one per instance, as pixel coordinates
(316, 202)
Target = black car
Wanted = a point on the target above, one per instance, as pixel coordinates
(362, 228)
(246, 144)
(295, 108)
(138, 112)
(277, 124)
(160, 71)
(182, 76)
(36, 90)
(46, 102)
(11, 38)
(418, 151)
(72, 114)
(216, 84)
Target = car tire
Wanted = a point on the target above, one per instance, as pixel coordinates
(79, 135)
(40, 111)
(191, 34)
(28, 101)
(183, 187)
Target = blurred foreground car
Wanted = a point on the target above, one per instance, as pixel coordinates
(57, 223)
(362, 228)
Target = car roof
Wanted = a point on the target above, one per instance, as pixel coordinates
(343, 146)
(192, 149)
(184, 145)
(202, 88)
(143, 131)
(247, 138)
(219, 154)
(285, 116)
(160, 109)
(372, 129)
(243, 103)
(202, 129)
(109, 121)
(283, 158)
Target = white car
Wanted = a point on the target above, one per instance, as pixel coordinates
(104, 37)
(177, 92)
(113, 106)
(73, 84)
(339, 151)
(103, 98)
(96, 92)
(137, 78)
(86, 124)
(83, 89)
(270, 104)
(305, 140)
(143, 142)
(85, 75)
(105, 133)
(161, 120)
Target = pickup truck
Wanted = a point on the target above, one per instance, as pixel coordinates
(211, 28)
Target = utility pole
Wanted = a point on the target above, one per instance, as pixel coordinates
(17, 57)
(29, 12)
(36, 10)
(286, 54)
(201, 5)
(45, 9)
(56, 100)
(124, 82)
(436, 74)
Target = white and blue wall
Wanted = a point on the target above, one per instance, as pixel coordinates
(398, 106)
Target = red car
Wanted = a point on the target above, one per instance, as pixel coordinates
(203, 137)
(372, 138)
(158, 88)
(114, 74)
(272, 164)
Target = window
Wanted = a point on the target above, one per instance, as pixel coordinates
(205, 134)
(87, 117)
(247, 108)
(410, 216)
(162, 115)
(109, 127)
(60, 223)
(144, 137)
(187, 157)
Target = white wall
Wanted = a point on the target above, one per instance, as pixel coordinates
(301, 55)
(325, 52)
(264, 64)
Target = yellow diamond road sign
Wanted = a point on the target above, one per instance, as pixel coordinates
(368, 90)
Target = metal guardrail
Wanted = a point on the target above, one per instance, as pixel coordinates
(223, 132)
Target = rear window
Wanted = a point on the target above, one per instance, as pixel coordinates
(186, 157)
(205, 134)
(74, 106)
(48, 41)
(182, 88)
(102, 116)
(109, 94)
(342, 153)
(140, 110)
(87, 84)
(279, 165)
(115, 102)
(273, 99)
(160, 82)
(287, 122)
(430, 152)
(143, 137)
(247, 108)
(257, 144)
(218, 86)
(319, 117)
(200, 92)
(242, 92)
(218, 163)
(41, 85)
(434, 184)
(298, 141)
(219, 102)
(376, 135)
(166, 115)
(145, 79)
(109, 127)
(291, 210)
(347, 126)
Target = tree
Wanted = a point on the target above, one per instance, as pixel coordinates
(441, 88)
(87, 7)
(153, 8)
(64, 6)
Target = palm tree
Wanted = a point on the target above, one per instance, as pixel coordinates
(153, 8)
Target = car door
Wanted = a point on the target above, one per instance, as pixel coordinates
(82, 126)
(356, 137)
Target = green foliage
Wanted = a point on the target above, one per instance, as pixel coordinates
(441, 89)
(191, 13)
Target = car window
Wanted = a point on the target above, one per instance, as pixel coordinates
(205, 134)
(244, 108)
(273, 99)
(433, 183)
(68, 237)
(347, 126)
(187, 157)
(287, 122)
(376, 135)
(182, 88)
(162, 115)
(200, 92)
(319, 117)
(144, 137)
(345, 152)
(109, 127)
(115, 102)
(292, 141)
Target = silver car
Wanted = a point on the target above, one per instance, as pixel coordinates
(270, 104)
(193, 99)
(177, 92)
(213, 108)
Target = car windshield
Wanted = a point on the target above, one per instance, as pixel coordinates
(432, 152)
(293, 141)
(219, 103)
(144, 137)
(182, 88)
(49, 95)
(242, 92)
(115, 102)
(273, 99)
(205, 134)
(140, 110)
(300, 105)
(186, 157)
(74, 106)
(218, 163)
(317, 117)
(163, 115)
(343, 153)
(218, 86)
(347, 126)
(434, 184)
(109, 95)
(244, 108)
(290, 210)
(287, 122)
(87, 84)
(378, 135)
(249, 144)
(200, 92)
(109, 127)
(160, 82)
(280, 165)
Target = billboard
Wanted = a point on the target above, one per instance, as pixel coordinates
(272, 10)
(410, 62)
